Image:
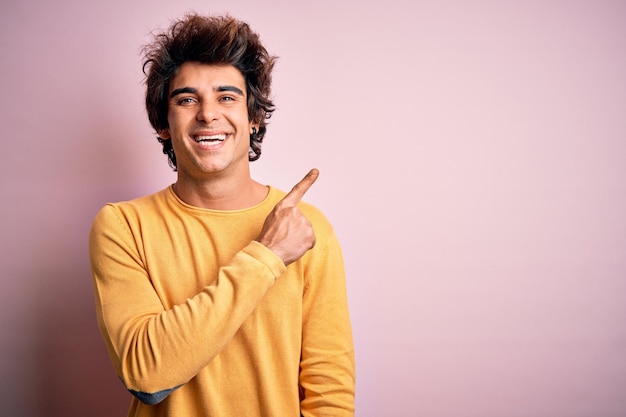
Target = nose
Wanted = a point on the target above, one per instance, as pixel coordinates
(207, 111)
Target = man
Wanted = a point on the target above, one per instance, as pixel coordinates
(219, 296)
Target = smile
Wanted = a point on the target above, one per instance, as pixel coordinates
(210, 138)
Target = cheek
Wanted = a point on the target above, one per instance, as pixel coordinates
(178, 115)
(173, 118)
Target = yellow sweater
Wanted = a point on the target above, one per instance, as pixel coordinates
(201, 320)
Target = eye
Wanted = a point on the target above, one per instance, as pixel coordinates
(228, 98)
(186, 101)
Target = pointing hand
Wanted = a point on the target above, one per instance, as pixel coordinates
(286, 231)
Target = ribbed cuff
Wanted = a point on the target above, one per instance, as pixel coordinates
(264, 255)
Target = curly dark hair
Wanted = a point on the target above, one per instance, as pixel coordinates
(216, 40)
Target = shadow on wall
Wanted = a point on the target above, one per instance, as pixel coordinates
(73, 373)
(75, 376)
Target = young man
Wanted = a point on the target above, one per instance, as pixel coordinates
(219, 296)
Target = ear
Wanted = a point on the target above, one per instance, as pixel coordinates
(254, 127)
(164, 134)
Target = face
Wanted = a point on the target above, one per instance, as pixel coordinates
(208, 120)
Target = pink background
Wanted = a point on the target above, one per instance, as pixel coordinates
(473, 162)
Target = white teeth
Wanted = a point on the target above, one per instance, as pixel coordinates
(221, 137)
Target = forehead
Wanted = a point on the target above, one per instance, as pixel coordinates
(199, 76)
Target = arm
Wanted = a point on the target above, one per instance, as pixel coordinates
(327, 374)
(155, 350)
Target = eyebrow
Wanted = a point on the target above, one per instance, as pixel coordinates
(183, 90)
(230, 88)
(219, 89)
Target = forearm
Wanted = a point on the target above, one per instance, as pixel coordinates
(168, 348)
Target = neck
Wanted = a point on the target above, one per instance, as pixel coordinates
(220, 192)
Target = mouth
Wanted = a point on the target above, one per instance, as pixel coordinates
(210, 139)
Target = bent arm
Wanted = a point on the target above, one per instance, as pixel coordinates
(154, 349)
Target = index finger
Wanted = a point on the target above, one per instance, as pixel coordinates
(294, 196)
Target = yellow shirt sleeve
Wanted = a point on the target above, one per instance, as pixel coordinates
(327, 376)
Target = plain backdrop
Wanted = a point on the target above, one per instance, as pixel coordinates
(473, 163)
